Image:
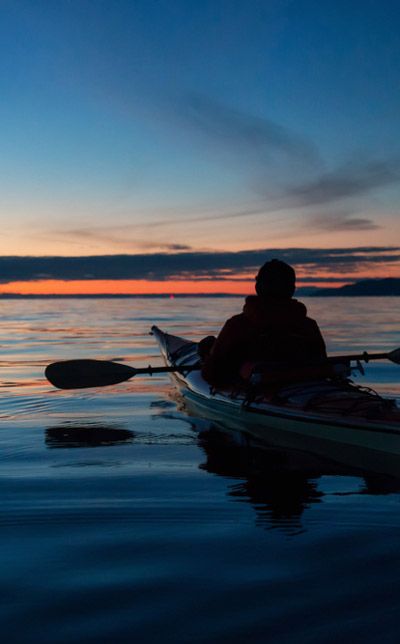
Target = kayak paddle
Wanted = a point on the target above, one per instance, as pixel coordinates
(79, 374)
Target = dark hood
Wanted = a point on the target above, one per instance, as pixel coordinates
(273, 312)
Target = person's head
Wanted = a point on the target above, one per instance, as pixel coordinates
(276, 279)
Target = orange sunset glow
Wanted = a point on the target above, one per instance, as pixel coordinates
(125, 287)
(236, 286)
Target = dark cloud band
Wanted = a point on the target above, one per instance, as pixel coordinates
(192, 265)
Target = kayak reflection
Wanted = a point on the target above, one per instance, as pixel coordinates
(282, 484)
(86, 436)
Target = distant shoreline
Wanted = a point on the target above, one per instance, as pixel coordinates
(104, 296)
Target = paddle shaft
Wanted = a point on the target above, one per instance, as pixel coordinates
(365, 357)
(77, 374)
(344, 359)
(150, 370)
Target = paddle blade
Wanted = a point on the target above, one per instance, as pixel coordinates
(394, 356)
(78, 374)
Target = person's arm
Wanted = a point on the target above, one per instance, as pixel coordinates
(317, 342)
(221, 365)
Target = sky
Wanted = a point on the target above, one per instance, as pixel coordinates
(175, 145)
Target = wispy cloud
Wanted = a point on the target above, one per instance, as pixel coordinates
(117, 237)
(192, 265)
(242, 132)
(346, 182)
(341, 221)
(345, 185)
(261, 145)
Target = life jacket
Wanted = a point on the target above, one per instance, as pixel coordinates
(268, 330)
(279, 330)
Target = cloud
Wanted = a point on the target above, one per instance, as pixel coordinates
(269, 152)
(345, 182)
(335, 222)
(317, 221)
(192, 265)
(241, 132)
(118, 237)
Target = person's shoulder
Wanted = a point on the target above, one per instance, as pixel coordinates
(311, 327)
(301, 310)
(310, 321)
(235, 325)
(236, 321)
(297, 308)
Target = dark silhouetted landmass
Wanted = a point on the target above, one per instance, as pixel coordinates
(389, 286)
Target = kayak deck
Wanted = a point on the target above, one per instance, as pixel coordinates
(341, 436)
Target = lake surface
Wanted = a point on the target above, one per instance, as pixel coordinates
(123, 519)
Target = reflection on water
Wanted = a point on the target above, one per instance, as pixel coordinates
(86, 436)
(278, 493)
(281, 484)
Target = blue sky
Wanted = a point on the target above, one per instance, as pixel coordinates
(133, 126)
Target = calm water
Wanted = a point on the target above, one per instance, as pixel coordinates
(122, 519)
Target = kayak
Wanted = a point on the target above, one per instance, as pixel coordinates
(337, 421)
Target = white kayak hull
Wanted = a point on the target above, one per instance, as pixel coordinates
(372, 445)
